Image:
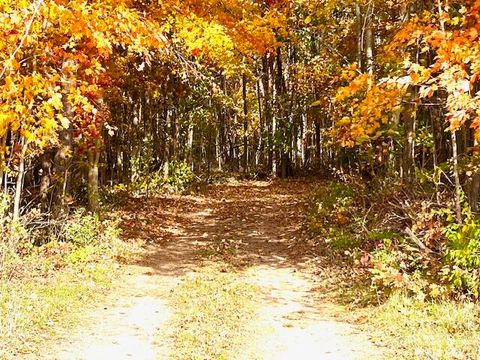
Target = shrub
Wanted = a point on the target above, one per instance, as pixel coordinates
(401, 239)
(341, 240)
(179, 179)
(332, 206)
(462, 255)
(82, 229)
(180, 176)
(388, 267)
(81, 255)
(4, 206)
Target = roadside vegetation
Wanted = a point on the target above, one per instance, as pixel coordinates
(51, 268)
(413, 271)
(47, 278)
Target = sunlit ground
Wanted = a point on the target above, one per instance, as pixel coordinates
(223, 277)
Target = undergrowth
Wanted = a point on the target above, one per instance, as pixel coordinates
(43, 288)
(415, 329)
(178, 179)
(401, 240)
(408, 261)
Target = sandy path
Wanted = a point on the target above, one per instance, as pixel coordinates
(256, 226)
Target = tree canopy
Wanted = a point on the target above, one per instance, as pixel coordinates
(115, 91)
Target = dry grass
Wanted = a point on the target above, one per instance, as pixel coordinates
(43, 289)
(415, 329)
(213, 310)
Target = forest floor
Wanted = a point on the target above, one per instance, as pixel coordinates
(227, 273)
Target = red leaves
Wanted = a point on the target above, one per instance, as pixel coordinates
(288, 3)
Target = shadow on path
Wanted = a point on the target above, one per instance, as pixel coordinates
(249, 223)
(253, 228)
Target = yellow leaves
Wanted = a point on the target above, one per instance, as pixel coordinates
(432, 65)
(10, 86)
(359, 140)
(207, 39)
(455, 53)
(56, 101)
(9, 82)
(456, 20)
(369, 105)
(350, 72)
(29, 107)
(427, 91)
(6, 118)
(74, 38)
(224, 33)
(19, 108)
(359, 83)
(342, 94)
(24, 4)
(89, 72)
(64, 122)
(344, 121)
(419, 74)
(28, 135)
(49, 124)
(102, 43)
(405, 37)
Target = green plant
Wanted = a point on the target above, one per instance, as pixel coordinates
(4, 206)
(81, 255)
(70, 268)
(385, 271)
(178, 179)
(341, 240)
(180, 176)
(462, 255)
(82, 229)
(332, 204)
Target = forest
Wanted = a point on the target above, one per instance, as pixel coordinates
(156, 154)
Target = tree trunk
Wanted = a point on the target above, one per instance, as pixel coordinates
(280, 113)
(369, 39)
(62, 158)
(474, 192)
(245, 123)
(61, 168)
(458, 186)
(259, 158)
(93, 186)
(45, 179)
(267, 109)
(3, 144)
(409, 145)
(19, 183)
(358, 13)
